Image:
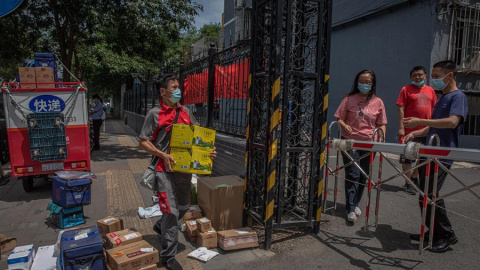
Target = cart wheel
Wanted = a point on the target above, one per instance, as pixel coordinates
(27, 183)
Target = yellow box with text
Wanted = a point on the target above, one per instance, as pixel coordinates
(195, 160)
(186, 136)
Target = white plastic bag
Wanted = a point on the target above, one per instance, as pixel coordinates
(203, 254)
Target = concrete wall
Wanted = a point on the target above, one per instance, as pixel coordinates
(389, 43)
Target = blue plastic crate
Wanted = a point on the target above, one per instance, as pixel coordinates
(46, 133)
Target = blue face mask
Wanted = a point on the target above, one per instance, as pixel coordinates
(364, 88)
(420, 83)
(176, 96)
(438, 84)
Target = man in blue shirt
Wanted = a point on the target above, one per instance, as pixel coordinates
(97, 113)
(447, 122)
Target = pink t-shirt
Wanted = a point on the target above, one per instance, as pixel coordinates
(362, 116)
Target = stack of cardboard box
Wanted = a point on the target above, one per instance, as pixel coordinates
(125, 249)
(191, 146)
(191, 223)
(36, 77)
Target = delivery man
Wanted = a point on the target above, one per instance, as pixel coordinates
(173, 188)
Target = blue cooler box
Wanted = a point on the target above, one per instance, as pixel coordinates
(65, 217)
(71, 193)
(81, 249)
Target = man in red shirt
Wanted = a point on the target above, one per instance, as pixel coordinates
(173, 188)
(416, 99)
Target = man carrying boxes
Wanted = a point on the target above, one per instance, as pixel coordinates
(173, 187)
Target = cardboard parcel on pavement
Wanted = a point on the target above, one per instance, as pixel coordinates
(237, 239)
(7, 243)
(121, 238)
(109, 224)
(221, 200)
(132, 256)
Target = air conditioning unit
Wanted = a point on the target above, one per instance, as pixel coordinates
(239, 4)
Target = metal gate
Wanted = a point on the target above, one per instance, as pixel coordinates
(287, 106)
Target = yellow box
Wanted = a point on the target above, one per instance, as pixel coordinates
(196, 160)
(186, 136)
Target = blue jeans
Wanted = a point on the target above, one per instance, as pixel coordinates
(356, 181)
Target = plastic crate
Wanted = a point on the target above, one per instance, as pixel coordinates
(46, 132)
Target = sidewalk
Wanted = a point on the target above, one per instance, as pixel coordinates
(119, 166)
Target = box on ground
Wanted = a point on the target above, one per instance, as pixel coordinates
(44, 259)
(203, 224)
(81, 249)
(132, 256)
(149, 267)
(221, 200)
(237, 239)
(65, 217)
(191, 230)
(193, 212)
(123, 237)
(186, 136)
(207, 239)
(109, 224)
(21, 257)
(71, 193)
(27, 75)
(7, 243)
(195, 160)
(44, 75)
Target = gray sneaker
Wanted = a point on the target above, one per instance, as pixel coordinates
(409, 189)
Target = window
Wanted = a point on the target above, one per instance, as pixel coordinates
(466, 50)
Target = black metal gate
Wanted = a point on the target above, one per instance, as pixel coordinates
(287, 113)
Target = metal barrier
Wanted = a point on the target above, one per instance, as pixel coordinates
(432, 152)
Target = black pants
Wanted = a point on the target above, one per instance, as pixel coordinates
(97, 124)
(356, 184)
(442, 226)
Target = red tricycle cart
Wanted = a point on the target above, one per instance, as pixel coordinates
(47, 129)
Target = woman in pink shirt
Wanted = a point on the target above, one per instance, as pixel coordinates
(359, 113)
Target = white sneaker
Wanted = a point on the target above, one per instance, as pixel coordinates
(358, 212)
(351, 216)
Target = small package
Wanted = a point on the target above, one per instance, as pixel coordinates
(109, 224)
(27, 75)
(44, 75)
(192, 230)
(186, 136)
(123, 237)
(203, 254)
(7, 244)
(195, 160)
(139, 254)
(21, 257)
(203, 224)
(149, 267)
(207, 239)
(193, 212)
(237, 239)
(44, 259)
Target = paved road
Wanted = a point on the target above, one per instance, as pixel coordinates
(119, 166)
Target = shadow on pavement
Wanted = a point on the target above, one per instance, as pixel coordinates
(115, 152)
(42, 189)
(334, 242)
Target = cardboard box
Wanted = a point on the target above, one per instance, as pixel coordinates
(204, 224)
(109, 224)
(150, 267)
(132, 256)
(207, 239)
(123, 237)
(192, 230)
(237, 239)
(21, 257)
(221, 200)
(27, 75)
(186, 136)
(195, 160)
(44, 75)
(7, 243)
(44, 259)
(193, 212)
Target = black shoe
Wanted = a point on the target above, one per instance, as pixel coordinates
(409, 189)
(416, 237)
(157, 229)
(415, 181)
(172, 264)
(443, 244)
